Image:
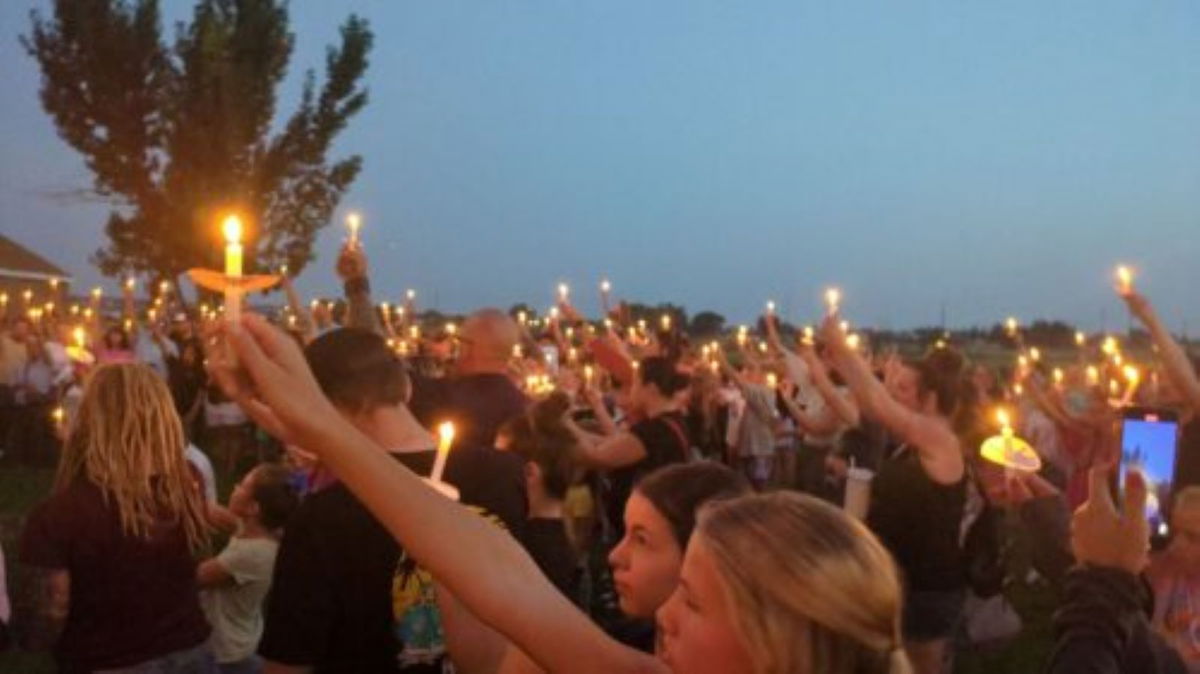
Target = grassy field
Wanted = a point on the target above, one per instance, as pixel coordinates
(22, 488)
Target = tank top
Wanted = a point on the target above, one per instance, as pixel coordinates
(919, 522)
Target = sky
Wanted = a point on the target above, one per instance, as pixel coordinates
(987, 159)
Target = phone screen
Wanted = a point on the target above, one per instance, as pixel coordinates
(1149, 443)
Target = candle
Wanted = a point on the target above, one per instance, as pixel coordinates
(564, 292)
(1058, 377)
(1110, 346)
(410, 294)
(59, 415)
(553, 313)
(642, 325)
(283, 270)
(770, 307)
(605, 287)
(445, 439)
(665, 320)
(353, 223)
(1035, 355)
(518, 352)
(588, 374)
(451, 330)
(772, 380)
(1006, 432)
(74, 309)
(80, 338)
(810, 336)
(54, 284)
(852, 341)
(4, 300)
(232, 228)
(833, 297)
(28, 295)
(164, 288)
(570, 333)
(97, 293)
(130, 284)
(1080, 338)
(1124, 279)
(844, 326)
(1133, 377)
(1093, 375)
(1010, 326)
(291, 321)
(522, 318)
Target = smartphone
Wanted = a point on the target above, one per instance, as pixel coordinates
(1150, 444)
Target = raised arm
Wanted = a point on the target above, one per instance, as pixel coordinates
(352, 268)
(1175, 359)
(843, 406)
(935, 442)
(278, 390)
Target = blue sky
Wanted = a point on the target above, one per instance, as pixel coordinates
(995, 157)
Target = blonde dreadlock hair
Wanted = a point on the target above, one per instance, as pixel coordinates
(126, 439)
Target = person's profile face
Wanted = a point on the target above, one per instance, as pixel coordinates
(696, 625)
(905, 388)
(645, 564)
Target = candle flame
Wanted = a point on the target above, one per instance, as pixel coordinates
(1080, 338)
(833, 297)
(1125, 277)
(446, 432)
(605, 286)
(770, 306)
(232, 228)
(1003, 419)
(1131, 374)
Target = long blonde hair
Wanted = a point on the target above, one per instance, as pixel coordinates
(811, 589)
(126, 439)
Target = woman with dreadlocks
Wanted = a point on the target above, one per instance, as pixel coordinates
(112, 550)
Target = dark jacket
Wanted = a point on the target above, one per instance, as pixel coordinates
(1103, 627)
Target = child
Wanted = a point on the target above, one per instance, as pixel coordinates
(236, 581)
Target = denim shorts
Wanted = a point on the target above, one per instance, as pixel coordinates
(932, 615)
(197, 660)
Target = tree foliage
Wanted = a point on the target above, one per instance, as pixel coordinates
(177, 135)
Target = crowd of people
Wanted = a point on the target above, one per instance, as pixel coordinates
(618, 496)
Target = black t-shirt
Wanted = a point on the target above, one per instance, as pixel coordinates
(546, 540)
(665, 440)
(132, 599)
(918, 521)
(345, 598)
(478, 404)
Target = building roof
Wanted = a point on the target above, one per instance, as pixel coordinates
(17, 261)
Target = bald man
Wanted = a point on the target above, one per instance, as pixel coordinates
(480, 396)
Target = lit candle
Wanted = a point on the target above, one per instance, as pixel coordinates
(522, 318)
(28, 295)
(518, 352)
(588, 374)
(445, 439)
(4, 300)
(97, 293)
(1124, 279)
(291, 321)
(1133, 377)
(410, 294)
(353, 223)
(564, 292)
(570, 333)
(283, 270)
(642, 325)
(605, 287)
(810, 336)
(665, 320)
(1010, 326)
(80, 338)
(844, 326)
(770, 307)
(54, 284)
(74, 309)
(387, 312)
(232, 228)
(1058, 377)
(833, 298)
(553, 313)
(1035, 355)
(130, 284)
(59, 415)
(772, 380)
(164, 288)
(451, 330)
(1080, 338)
(852, 341)
(415, 332)
(1006, 432)
(1110, 346)
(1093, 375)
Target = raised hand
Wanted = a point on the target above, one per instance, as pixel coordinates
(1102, 535)
(352, 263)
(271, 381)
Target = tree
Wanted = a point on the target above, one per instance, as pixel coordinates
(707, 324)
(176, 136)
